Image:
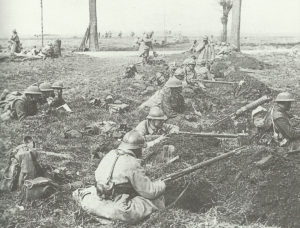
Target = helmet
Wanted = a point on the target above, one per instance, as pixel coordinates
(156, 113)
(179, 72)
(33, 89)
(284, 96)
(14, 31)
(58, 85)
(189, 61)
(45, 87)
(132, 140)
(205, 37)
(173, 83)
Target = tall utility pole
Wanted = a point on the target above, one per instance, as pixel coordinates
(236, 23)
(42, 27)
(93, 34)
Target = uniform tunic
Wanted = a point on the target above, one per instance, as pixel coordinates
(144, 128)
(124, 207)
(23, 108)
(172, 103)
(282, 123)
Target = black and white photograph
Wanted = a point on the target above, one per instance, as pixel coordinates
(150, 113)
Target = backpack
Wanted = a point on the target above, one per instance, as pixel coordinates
(38, 188)
(7, 105)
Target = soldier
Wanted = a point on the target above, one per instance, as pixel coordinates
(172, 101)
(192, 49)
(189, 70)
(58, 88)
(15, 42)
(284, 133)
(207, 51)
(123, 191)
(154, 127)
(19, 106)
(47, 96)
(145, 46)
(47, 92)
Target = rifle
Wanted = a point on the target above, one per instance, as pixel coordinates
(181, 173)
(244, 109)
(215, 82)
(207, 134)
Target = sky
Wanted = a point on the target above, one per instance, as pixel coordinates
(191, 17)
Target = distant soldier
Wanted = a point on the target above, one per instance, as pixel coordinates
(58, 89)
(15, 42)
(155, 126)
(284, 133)
(189, 69)
(145, 46)
(120, 34)
(123, 191)
(192, 49)
(206, 52)
(172, 101)
(19, 106)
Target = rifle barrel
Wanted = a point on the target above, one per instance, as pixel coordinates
(216, 82)
(193, 168)
(206, 134)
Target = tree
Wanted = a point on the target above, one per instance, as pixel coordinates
(93, 34)
(226, 5)
(236, 23)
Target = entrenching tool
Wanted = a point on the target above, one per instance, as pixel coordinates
(184, 172)
(244, 109)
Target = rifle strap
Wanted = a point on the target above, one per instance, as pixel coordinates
(113, 166)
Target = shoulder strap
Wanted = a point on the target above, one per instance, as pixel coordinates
(113, 167)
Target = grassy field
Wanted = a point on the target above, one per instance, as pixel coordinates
(88, 77)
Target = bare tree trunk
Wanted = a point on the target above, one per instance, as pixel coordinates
(93, 36)
(236, 23)
(224, 32)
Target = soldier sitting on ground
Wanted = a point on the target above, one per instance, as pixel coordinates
(18, 106)
(25, 157)
(123, 191)
(154, 128)
(284, 133)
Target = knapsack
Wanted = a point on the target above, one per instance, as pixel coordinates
(7, 109)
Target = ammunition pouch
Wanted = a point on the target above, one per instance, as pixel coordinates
(111, 190)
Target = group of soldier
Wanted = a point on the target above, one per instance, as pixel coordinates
(18, 105)
(122, 190)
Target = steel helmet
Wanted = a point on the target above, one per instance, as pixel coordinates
(46, 87)
(284, 96)
(205, 37)
(58, 85)
(179, 72)
(132, 140)
(189, 61)
(33, 89)
(156, 113)
(173, 83)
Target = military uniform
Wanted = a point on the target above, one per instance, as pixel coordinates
(282, 126)
(134, 196)
(172, 103)
(144, 128)
(23, 108)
